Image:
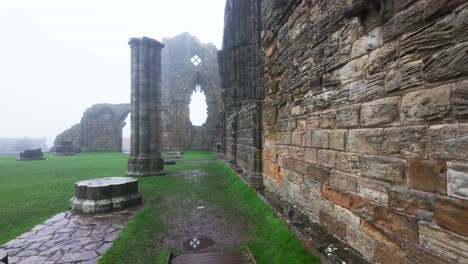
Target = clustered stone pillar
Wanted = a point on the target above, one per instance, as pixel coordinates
(145, 156)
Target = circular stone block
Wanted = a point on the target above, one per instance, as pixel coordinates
(105, 194)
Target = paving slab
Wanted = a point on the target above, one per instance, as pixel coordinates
(68, 238)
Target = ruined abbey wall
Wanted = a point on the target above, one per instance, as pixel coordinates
(100, 128)
(364, 117)
(186, 64)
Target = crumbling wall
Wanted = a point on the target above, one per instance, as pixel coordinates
(180, 77)
(100, 128)
(365, 120)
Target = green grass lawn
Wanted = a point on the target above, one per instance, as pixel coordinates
(31, 192)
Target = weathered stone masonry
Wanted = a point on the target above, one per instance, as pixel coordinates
(101, 126)
(364, 117)
(145, 154)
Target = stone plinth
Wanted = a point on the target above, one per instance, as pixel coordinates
(145, 155)
(31, 154)
(105, 194)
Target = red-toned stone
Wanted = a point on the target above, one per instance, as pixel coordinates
(402, 225)
(419, 255)
(387, 255)
(345, 199)
(335, 226)
(384, 235)
(452, 214)
(428, 175)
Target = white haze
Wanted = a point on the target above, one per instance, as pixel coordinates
(58, 57)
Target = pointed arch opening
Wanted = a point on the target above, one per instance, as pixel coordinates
(198, 106)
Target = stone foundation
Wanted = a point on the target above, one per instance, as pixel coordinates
(105, 194)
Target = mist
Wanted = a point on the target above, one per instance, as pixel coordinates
(60, 57)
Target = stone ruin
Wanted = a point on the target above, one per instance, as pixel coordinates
(66, 148)
(105, 194)
(356, 113)
(31, 154)
(145, 152)
(100, 128)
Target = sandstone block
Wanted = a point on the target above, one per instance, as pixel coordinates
(457, 180)
(310, 155)
(384, 254)
(353, 70)
(365, 140)
(426, 105)
(428, 175)
(386, 169)
(327, 118)
(285, 138)
(410, 141)
(366, 43)
(448, 141)
(452, 214)
(360, 242)
(404, 226)
(460, 100)
(296, 138)
(320, 138)
(335, 226)
(317, 173)
(348, 162)
(408, 76)
(338, 139)
(447, 64)
(326, 158)
(403, 21)
(418, 255)
(346, 216)
(373, 87)
(343, 181)
(411, 202)
(380, 58)
(374, 191)
(348, 116)
(450, 246)
(342, 198)
(383, 112)
(434, 36)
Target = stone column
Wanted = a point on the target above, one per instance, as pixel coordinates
(145, 155)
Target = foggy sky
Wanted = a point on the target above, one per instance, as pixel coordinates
(58, 57)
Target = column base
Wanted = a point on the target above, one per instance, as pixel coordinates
(140, 167)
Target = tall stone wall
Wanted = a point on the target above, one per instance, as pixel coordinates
(364, 120)
(186, 64)
(241, 68)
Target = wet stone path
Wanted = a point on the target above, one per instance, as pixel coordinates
(68, 238)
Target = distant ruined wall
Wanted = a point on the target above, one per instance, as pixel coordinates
(364, 121)
(180, 77)
(100, 128)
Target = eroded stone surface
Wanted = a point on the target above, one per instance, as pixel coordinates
(68, 238)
